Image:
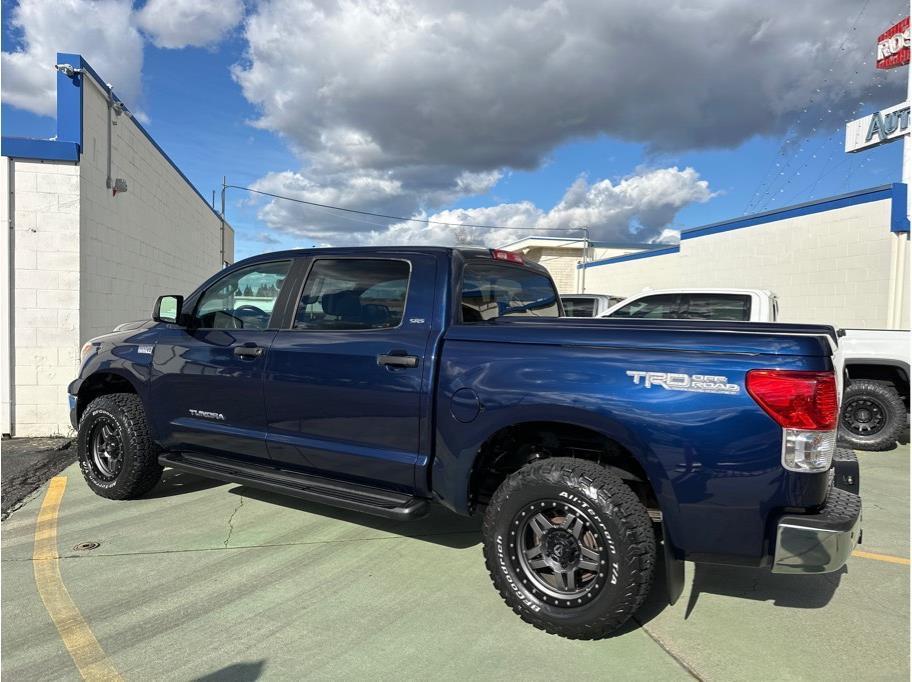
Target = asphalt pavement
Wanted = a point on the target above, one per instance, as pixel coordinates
(205, 580)
(28, 463)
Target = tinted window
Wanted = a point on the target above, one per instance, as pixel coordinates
(578, 307)
(244, 299)
(715, 307)
(491, 290)
(353, 294)
(660, 306)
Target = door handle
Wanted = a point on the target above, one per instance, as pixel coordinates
(397, 360)
(248, 350)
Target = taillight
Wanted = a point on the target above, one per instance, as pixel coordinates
(796, 400)
(510, 256)
(806, 406)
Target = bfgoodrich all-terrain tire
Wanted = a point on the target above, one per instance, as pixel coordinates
(117, 456)
(569, 547)
(873, 416)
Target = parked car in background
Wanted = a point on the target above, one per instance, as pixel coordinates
(875, 405)
(736, 305)
(588, 305)
(875, 408)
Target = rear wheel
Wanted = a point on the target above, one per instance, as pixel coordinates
(569, 547)
(872, 416)
(117, 456)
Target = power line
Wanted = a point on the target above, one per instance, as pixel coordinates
(402, 219)
(765, 192)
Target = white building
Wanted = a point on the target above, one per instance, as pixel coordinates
(843, 260)
(101, 222)
(562, 255)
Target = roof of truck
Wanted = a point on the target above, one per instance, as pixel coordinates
(467, 252)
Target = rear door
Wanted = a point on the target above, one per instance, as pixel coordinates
(346, 379)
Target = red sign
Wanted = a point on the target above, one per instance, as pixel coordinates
(893, 46)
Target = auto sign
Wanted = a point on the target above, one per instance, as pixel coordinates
(893, 46)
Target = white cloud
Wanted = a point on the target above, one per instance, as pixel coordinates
(101, 31)
(189, 23)
(636, 208)
(388, 104)
(484, 85)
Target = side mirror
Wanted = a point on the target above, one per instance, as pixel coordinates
(168, 308)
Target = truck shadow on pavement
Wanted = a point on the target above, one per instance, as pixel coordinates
(444, 528)
(440, 526)
(175, 482)
(236, 672)
(759, 584)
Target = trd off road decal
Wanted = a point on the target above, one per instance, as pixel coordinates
(693, 383)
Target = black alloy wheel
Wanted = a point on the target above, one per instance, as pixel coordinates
(557, 551)
(864, 416)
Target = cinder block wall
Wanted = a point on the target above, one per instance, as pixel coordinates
(158, 237)
(831, 267)
(45, 313)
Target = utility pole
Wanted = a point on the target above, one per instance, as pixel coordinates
(222, 214)
(586, 257)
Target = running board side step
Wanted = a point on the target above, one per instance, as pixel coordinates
(361, 498)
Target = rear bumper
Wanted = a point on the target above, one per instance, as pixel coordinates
(820, 542)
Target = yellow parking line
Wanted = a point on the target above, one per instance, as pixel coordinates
(90, 659)
(881, 557)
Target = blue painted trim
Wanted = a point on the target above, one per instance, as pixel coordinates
(899, 216)
(41, 150)
(897, 193)
(631, 256)
(69, 101)
(841, 201)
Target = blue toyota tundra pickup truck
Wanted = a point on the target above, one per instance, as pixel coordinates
(383, 380)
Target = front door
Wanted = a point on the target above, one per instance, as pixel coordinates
(345, 382)
(207, 382)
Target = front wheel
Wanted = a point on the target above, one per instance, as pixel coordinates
(569, 547)
(117, 456)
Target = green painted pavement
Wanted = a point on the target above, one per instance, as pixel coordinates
(203, 578)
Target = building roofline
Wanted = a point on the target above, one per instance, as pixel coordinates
(595, 244)
(896, 193)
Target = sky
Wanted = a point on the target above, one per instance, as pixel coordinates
(635, 120)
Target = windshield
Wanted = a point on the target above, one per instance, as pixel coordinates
(492, 290)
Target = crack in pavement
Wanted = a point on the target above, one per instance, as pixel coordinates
(231, 522)
(677, 659)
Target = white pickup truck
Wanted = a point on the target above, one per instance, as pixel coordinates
(875, 403)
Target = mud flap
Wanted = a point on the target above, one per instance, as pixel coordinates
(674, 570)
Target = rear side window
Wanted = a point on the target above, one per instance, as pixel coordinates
(735, 307)
(660, 306)
(492, 290)
(347, 294)
(578, 307)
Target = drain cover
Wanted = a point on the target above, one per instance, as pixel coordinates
(86, 546)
